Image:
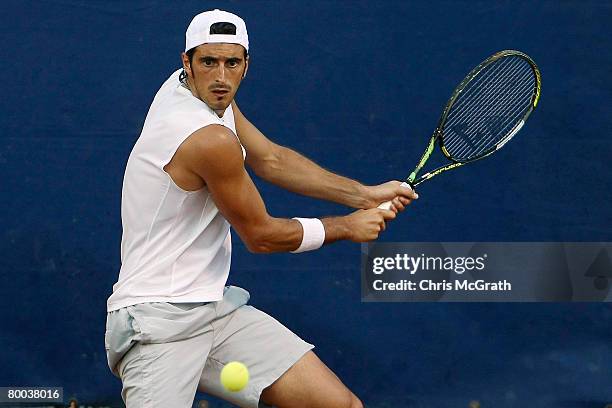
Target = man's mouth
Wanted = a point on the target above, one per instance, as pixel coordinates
(220, 92)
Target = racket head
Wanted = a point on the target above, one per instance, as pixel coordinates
(489, 106)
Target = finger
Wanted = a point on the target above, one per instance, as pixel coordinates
(404, 200)
(397, 205)
(382, 225)
(406, 191)
(387, 214)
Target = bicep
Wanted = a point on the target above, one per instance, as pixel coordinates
(239, 201)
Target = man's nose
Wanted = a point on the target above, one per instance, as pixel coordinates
(221, 73)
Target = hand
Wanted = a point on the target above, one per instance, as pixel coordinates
(366, 225)
(399, 196)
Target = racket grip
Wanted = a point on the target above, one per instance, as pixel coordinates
(387, 204)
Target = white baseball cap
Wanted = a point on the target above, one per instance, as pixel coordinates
(199, 29)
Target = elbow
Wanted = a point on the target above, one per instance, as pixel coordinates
(259, 241)
(258, 246)
(264, 236)
(267, 169)
(270, 166)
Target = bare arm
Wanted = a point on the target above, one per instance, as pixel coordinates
(301, 175)
(213, 153)
(292, 171)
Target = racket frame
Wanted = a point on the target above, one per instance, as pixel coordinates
(438, 134)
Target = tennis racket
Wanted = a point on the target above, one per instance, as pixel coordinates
(485, 111)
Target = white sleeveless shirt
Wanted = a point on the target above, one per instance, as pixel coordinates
(176, 245)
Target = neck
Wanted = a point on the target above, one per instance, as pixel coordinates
(190, 85)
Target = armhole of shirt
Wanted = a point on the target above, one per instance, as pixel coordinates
(244, 153)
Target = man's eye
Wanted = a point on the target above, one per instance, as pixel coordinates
(232, 63)
(208, 62)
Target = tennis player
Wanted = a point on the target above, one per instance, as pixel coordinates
(172, 324)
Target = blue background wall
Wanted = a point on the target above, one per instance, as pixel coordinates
(358, 87)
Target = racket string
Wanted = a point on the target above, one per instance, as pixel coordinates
(491, 107)
(479, 89)
(517, 112)
(486, 142)
(476, 88)
(472, 103)
(477, 116)
(500, 102)
(505, 107)
(480, 99)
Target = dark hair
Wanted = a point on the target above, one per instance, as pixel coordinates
(217, 28)
(223, 28)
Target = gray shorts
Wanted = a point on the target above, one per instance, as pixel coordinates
(164, 352)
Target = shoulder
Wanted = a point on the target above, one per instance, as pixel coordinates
(213, 137)
(212, 147)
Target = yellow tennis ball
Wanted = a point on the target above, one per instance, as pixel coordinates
(234, 376)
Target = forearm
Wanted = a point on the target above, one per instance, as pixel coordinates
(284, 235)
(294, 172)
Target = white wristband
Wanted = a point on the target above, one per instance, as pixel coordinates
(314, 234)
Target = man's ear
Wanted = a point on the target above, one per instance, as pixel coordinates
(186, 65)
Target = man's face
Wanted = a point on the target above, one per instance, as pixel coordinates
(215, 73)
